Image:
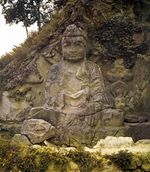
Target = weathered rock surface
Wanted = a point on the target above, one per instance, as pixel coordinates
(112, 118)
(112, 145)
(111, 142)
(78, 84)
(11, 110)
(75, 98)
(138, 131)
(144, 141)
(87, 74)
(44, 113)
(135, 119)
(37, 130)
(19, 139)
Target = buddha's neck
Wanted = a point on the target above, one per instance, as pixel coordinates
(74, 63)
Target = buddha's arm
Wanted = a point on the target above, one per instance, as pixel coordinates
(98, 99)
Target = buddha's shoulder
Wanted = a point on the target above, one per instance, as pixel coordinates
(92, 66)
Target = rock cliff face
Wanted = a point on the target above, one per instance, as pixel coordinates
(117, 46)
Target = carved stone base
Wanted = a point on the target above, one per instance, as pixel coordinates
(77, 136)
(74, 130)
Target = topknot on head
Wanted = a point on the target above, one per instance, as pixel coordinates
(73, 31)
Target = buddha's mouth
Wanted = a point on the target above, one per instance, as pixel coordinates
(75, 54)
(74, 58)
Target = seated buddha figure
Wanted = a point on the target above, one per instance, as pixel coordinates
(75, 90)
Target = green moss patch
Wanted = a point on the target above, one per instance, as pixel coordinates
(44, 159)
(25, 159)
(126, 161)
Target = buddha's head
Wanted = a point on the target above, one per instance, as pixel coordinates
(74, 43)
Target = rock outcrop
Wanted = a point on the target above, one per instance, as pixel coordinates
(87, 76)
(37, 130)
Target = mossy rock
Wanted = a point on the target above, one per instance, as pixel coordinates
(38, 158)
(146, 167)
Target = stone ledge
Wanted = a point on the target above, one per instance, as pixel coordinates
(137, 131)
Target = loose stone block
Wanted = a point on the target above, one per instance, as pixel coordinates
(38, 130)
(138, 131)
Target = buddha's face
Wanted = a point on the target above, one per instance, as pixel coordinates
(73, 48)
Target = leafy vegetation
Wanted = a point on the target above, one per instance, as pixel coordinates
(27, 12)
(141, 8)
(85, 160)
(16, 158)
(117, 36)
(37, 159)
(122, 160)
(127, 161)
